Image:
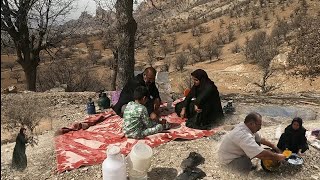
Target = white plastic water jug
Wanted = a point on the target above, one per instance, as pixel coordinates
(139, 161)
(114, 166)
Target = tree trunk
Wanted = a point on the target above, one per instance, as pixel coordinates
(126, 26)
(29, 65)
(114, 71)
(31, 76)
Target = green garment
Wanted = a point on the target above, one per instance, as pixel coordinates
(137, 123)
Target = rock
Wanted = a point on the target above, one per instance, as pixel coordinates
(314, 177)
(84, 169)
(316, 167)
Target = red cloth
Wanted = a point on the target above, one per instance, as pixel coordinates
(88, 146)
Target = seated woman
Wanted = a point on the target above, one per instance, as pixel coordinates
(202, 105)
(294, 137)
(136, 121)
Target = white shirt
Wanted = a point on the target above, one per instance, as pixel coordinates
(239, 142)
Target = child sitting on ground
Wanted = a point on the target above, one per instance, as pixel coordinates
(137, 123)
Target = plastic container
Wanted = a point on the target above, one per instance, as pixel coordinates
(114, 166)
(139, 161)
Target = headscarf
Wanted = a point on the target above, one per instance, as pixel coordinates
(202, 76)
(299, 131)
(298, 120)
(21, 130)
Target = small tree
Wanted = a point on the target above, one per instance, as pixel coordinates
(151, 56)
(94, 56)
(305, 56)
(262, 49)
(15, 75)
(10, 65)
(236, 48)
(164, 45)
(181, 62)
(174, 42)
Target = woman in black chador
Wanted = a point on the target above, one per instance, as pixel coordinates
(202, 106)
(19, 158)
(294, 137)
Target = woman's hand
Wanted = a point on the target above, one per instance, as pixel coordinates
(197, 109)
(183, 112)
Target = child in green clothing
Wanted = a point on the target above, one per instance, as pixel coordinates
(137, 123)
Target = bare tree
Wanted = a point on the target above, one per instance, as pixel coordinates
(33, 27)
(262, 49)
(265, 88)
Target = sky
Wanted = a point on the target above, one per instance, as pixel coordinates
(83, 5)
(89, 6)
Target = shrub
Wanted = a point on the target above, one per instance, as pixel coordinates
(15, 75)
(181, 62)
(77, 76)
(236, 48)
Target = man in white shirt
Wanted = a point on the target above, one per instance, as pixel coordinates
(242, 144)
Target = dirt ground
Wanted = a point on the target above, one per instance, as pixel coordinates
(67, 108)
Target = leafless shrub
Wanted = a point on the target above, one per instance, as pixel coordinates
(236, 48)
(15, 75)
(199, 53)
(76, 75)
(94, 56)
(280, 30)
(10, 65)
(195, 31)
(305, 56)
(174, 43)
(231, 34)
(164, 45)
(150, 56)
(181, 62)
(110, 62)
(186, 82)
(24, 112)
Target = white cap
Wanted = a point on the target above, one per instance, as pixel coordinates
(113, 150)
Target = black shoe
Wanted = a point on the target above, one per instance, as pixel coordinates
(191, 174)
(194, 159)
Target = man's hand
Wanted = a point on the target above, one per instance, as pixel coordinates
(277, 149)
(281, 157)
(157, 104)
(196, 108)
(183, 112)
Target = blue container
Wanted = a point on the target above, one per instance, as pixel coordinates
(91, 109)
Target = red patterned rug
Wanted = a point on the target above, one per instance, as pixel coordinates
(85, 143)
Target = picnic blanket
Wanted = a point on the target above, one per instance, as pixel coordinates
(85, 143)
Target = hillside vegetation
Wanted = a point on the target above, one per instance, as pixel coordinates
(245, 46)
